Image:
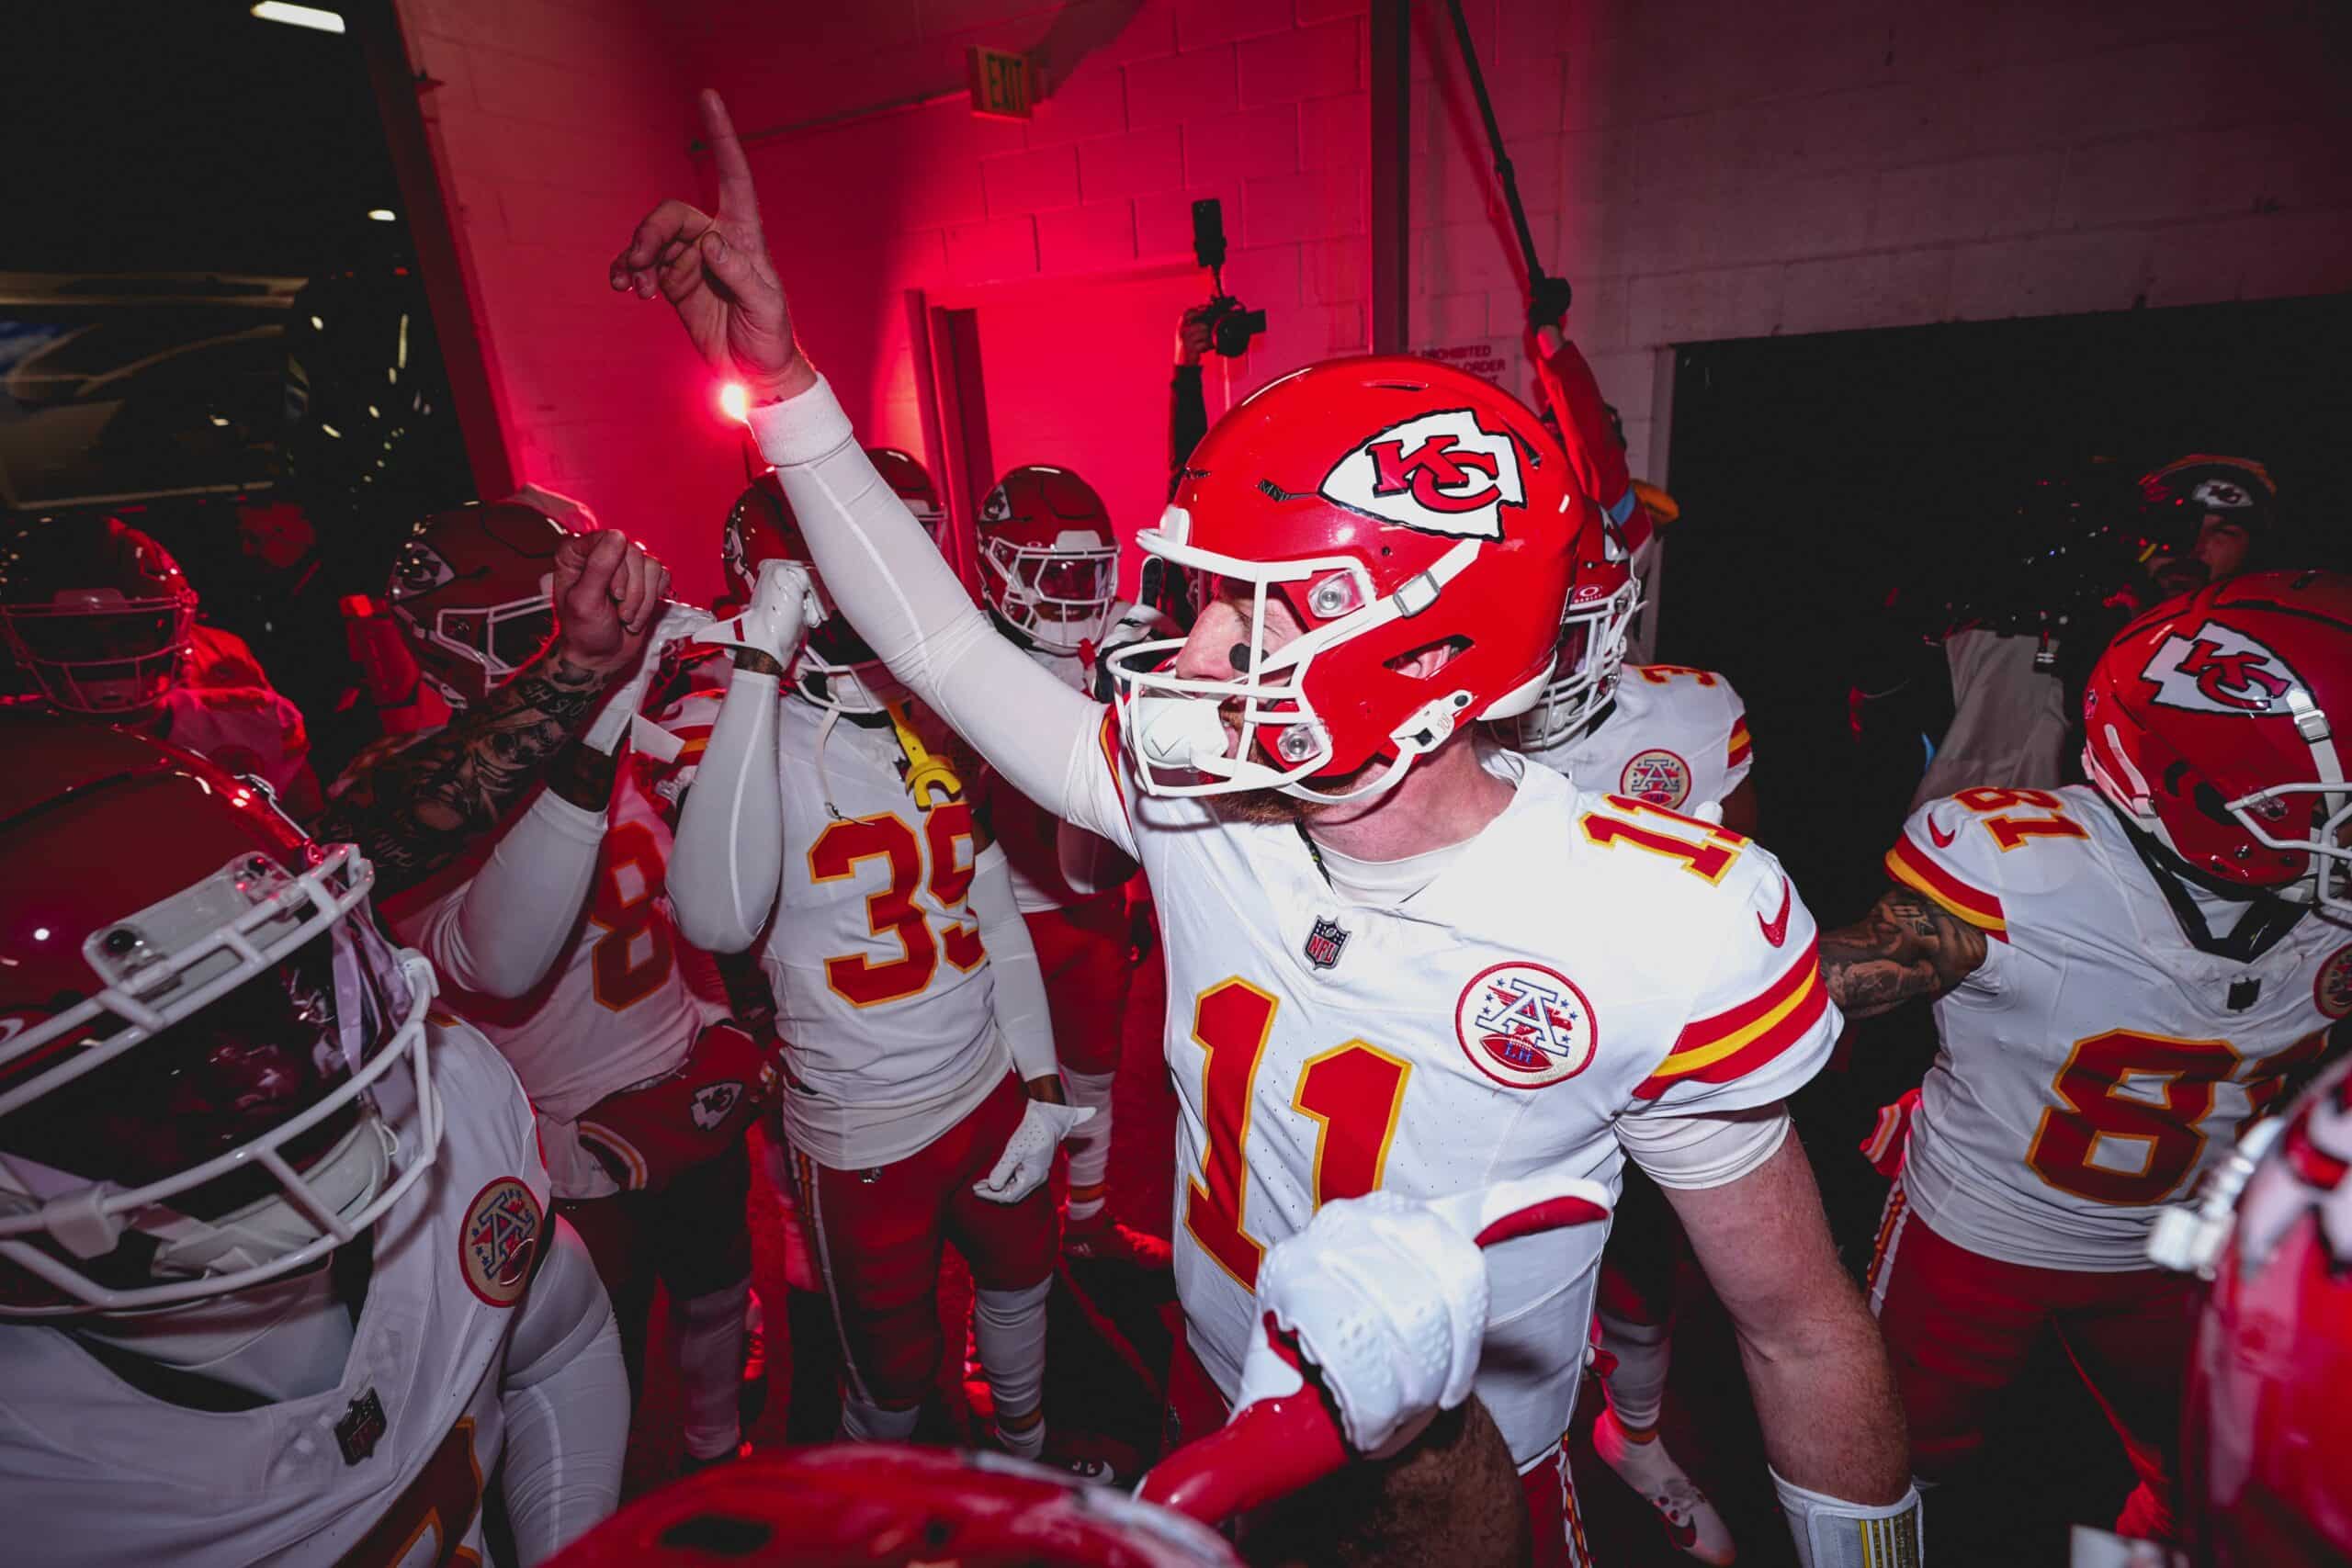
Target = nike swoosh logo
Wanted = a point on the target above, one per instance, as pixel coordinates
(1776, 930)
(1943, 839)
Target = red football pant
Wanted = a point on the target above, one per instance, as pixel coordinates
(878, 1235)
(1083, 951)
(1959, 1326)
(1196, 1407)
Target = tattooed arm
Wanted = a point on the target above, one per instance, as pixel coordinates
(1907, 947)
(419, 808)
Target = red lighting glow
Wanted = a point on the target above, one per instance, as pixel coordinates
(734, 402)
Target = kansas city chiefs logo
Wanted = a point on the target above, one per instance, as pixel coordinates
(2220, 495)
(1442, 473)
(712, 1103)
(2218, 669)
(997, 507)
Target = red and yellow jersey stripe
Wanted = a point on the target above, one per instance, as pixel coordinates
(1741, 748)
(1108, 738)
(1913, 866)
(1738, 1040)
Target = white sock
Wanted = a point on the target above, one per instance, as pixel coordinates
(863, 1423)
(706, 1335)
(1637, 1387)
(1010, 1328)
(1090, 1145)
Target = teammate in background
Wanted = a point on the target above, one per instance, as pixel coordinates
(831, 812)
(552, 939)
(2217, 515)
(279, 1234)
(1381, 549)
(2123, 972)
(1673, 736)
(2263, 1462)
(1048, 570)
(103, 619)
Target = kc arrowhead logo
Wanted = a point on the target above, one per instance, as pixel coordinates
(2219, 669)
(1442, 473)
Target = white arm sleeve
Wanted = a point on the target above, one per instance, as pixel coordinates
(515, 919)
(1710, 1149)
(566, 1403)
(897, 590)
(1022, 1014)
(729, 846)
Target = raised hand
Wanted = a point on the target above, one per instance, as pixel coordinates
(714, 270)
(607, 594)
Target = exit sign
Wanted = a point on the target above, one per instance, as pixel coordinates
(1002, 87)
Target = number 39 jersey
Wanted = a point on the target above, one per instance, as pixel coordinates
(613, 1012)
(2098, 1061)
(882, 989)
(1582, 959)
(1673, 736)
(385, 1468)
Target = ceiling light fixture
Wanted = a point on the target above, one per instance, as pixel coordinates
(382, 215)
(299, 16)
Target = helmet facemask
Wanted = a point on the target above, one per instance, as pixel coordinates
(99, 654)
(222, 1111)
(1584, 671)
(1058, 595)
(480, 646)
(1259, 729)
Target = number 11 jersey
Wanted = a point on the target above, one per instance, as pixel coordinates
(2098, 1061)
(1583, 958)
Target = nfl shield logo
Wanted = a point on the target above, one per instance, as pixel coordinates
(361, 1428)
(1325, 943)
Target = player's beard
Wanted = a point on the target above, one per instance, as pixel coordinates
(1262, 808)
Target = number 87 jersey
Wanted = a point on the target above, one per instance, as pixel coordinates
(2096, 1062)
(1581, 961)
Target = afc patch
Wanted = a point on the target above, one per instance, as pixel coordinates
(499, 1240)
(2332, 988)
(1658, 776)
(1524, 1025)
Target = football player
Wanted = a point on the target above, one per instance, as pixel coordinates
(831, 813)
(1674, 736)
(2218, 514)
(2122, 973)
(280, 1279)
(553, 940)
(1394, 962)
(105, 620)
(1048, 570)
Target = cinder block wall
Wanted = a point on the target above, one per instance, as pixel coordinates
(1700, 169)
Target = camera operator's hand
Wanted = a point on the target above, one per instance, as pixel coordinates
(1193, 336)
(714, 270)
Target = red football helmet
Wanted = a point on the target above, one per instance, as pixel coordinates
(2211, 722)
(473, 589)
(835, 669)
(1048, 562)
(910, 482)
(884, 1507)
(98, 612)
(1592, 637)
(2267, 1477)
(197, 1049)
(1392, 505)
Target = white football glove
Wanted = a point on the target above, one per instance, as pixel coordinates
(1028, 1156)
(678, 621)
(784, 606)
(1387, 1295)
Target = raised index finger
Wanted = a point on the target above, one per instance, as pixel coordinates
(736, 197)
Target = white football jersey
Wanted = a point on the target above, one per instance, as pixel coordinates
(882, 989)
(1584, 958)
(2097, 1062)
(614, 1011)
(1673, 736)
(386, 1467)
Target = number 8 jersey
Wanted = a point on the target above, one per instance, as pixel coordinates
(1583, 959)
(2096, 1062)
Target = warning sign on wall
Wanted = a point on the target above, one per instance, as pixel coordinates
(1500, 360)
